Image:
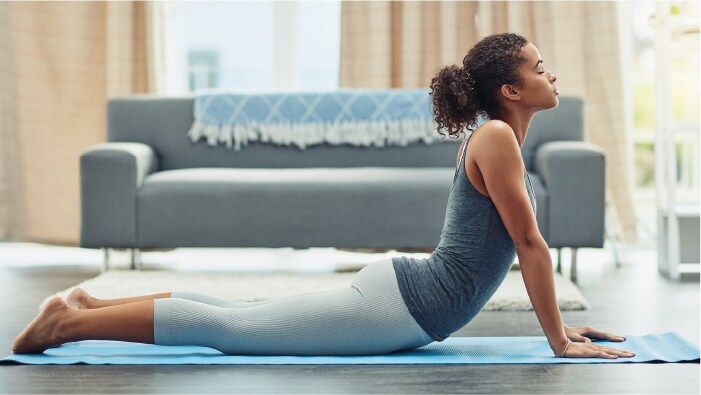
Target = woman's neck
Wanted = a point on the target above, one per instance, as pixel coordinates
(519, 122)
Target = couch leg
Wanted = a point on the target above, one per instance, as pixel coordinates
(573, 266)
(135, 258)
(559, 260)
(612, 237)
(105, 259)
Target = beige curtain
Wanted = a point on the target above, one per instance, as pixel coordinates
(402, 44)
(61, 62)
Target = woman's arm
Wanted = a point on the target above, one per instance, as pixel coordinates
(537, 271)
(498, 157)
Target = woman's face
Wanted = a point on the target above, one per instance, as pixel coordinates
(539, 89)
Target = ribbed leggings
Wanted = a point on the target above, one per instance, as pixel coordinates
(367, 317)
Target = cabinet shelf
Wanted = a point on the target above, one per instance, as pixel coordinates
(682, 210)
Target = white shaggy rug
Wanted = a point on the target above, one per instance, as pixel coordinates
(511, 295)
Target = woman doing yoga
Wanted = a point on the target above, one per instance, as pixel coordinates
(392, 304)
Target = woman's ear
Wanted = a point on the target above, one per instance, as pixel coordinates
(509, 92)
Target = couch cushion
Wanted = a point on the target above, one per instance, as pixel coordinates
(163, 123)
(374, 207)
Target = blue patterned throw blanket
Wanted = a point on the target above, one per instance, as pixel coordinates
(360, 117)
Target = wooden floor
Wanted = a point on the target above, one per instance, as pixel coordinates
(631, 300)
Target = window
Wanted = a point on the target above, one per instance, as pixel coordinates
(252, 45)
(203, 69)
(684, 80)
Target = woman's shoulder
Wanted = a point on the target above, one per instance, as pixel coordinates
(489, 136)
(494, 123)
(489, 147)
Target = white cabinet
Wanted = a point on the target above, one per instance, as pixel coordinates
(677, 211)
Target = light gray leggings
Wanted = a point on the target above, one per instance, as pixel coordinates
(366, 317)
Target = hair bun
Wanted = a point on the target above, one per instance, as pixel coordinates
(454, 99)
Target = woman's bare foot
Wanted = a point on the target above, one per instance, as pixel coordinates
(43, 332)
(80, 299)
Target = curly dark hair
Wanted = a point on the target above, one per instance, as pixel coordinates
(461, 94)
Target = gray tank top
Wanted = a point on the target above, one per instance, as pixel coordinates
(447, 290)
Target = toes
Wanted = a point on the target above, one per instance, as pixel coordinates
(15, 347)
(41, 333)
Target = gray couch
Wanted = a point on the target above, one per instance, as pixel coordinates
(150, 187)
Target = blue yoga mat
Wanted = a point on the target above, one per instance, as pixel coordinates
(665, 347)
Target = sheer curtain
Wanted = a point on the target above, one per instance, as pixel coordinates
(61, 62)
(402, 44)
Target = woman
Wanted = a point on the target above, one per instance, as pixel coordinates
(392, 304)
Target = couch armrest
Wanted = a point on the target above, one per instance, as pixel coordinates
(574, 173)
(111, 175)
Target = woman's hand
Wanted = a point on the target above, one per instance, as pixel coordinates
(582, 346)
(591, 350)
(586, 333)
